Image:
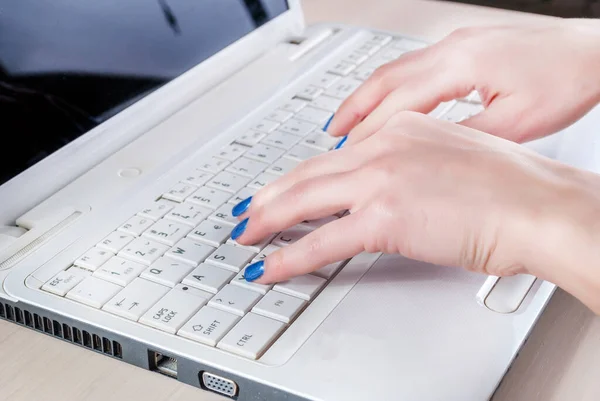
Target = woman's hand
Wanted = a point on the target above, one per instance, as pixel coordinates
(436, 192)
(533, 80)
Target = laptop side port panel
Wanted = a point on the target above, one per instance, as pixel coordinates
(218, 384)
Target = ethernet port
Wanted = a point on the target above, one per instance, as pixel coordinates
(163, 364)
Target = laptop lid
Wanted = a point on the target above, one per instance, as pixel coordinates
(68, 67)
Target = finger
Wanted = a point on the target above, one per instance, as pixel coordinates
(422, 95)
(345, 159)
(383, 81)
(306, 200)
(333, 242)
(505, 117)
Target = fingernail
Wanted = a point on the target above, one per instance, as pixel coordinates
(254, 271)
(327, 123)
(241, 207)
(239, 229)
(341, 143)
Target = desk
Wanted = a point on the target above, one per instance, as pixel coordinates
(561, 360)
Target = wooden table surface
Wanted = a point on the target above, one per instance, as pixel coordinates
(561, 360)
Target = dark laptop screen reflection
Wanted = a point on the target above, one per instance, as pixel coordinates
(66, 65)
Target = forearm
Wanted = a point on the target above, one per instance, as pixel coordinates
(568, 251)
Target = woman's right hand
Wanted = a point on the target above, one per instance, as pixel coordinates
(534, 80)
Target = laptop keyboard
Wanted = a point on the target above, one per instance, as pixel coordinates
(173, 266)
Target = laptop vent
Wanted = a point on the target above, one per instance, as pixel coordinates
(61, 330)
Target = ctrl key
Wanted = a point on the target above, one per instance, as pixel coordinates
(252, 336)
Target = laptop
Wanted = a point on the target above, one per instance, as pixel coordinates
(139, 125)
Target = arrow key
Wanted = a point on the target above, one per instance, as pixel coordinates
(208, 326)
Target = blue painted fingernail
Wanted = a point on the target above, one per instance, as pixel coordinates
(254, 271)
(328, 122)
(341, 143)
(239, 229)
(241, 207)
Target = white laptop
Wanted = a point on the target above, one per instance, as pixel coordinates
(141, 125)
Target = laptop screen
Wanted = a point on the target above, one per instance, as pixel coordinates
(68, 65)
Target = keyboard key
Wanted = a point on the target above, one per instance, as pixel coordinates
(93, 292)
(93, 258)
(255, 248)
(223, 216)
(265, 126)
(377, 62)
(282, 140)
(235, 299)
(136, 225)
(179, 192)
(208, 326)
(356, 58)
(189, 214)
(408, 44)
(251, 336)
(190, 252)
(213, 165)
(314, 224)
(231, 152)
(157, 209)
(209, 197)
(239, 280)
(278, 306)
(197, 178)
(343, 88)
(269, 249)
(167, 271)
(342, 68)
(264, 153)
(282, 166)
(391, 53)
(461, 111)
(135, 299)
(167, 232)
(301, 153)
(441, 109)
(312, 115)
(211, 233)
(327, 103)
(143, 251)
(369, 48)
(174, 309)
(362, 73)
(208, 278)
(119, 271)
(325, 81)
(321, 141)
(304, 287)
(310, 93)
(297, 127)
(244, 193)
(115, 241)
(380, 39)
(247, 167)
(251, 138)
(279, 116)
(262, 180)
(293, 105)
(229, 182)
(328, 271)
(230, 257)
(65, 280)
(290, 236)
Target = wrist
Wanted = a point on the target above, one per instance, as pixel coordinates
(569, 246)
